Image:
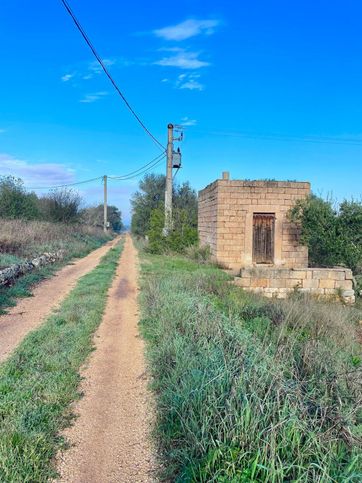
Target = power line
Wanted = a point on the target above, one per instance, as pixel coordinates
(133, 174)
(101, 63)
(63, 185)
(155, 160)
(120, 178)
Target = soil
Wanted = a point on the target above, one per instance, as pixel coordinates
(110, 439)
(29, 313)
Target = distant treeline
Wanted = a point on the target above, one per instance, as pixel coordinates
(63, 205)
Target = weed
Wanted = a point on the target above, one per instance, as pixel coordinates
(249, 389)
(40, 380)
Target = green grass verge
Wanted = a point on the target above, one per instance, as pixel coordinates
(40, 380)
(249, 390)
(78, 247)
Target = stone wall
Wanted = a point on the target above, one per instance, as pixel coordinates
(321, 282)
(10, 274)
(226, 210)
(207, 217)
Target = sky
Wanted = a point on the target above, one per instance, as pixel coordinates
(264, 89)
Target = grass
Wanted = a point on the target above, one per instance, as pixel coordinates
(247, 389)
(27, 239)
(40, 380)
(20, 240)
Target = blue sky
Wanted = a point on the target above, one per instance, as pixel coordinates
(265, 89)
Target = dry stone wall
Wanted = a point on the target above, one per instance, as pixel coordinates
(279, 283)
(10, 274)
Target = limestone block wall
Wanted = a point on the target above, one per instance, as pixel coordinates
(226, 209)
(207, 217)
(321, 282)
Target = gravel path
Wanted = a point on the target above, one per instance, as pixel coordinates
(29, 313)
(111, 437)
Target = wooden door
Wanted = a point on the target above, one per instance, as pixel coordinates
(263, 237)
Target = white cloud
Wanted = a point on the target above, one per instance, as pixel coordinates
(89, 98)
(96, 68)
(183, 60)
(187, 29)
(192, 85)
(190, 82)
(186, 121)
(67, 77)
(42, 174)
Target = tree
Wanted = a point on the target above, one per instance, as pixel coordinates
(148, 214)
(94, 216)
(149, 197)
(15, 202)
(61, 205)
(333, 236)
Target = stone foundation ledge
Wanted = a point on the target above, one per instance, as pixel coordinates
(280, 282)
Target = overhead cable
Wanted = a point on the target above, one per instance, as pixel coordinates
(106, 71)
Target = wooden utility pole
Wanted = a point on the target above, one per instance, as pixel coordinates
(105, 220)
(168, 191)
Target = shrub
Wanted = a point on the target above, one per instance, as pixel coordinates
(200, 254)
(333, 237)
(61, 205)
(15, 202)
(180, 237)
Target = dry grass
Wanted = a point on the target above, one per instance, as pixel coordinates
(29, 238)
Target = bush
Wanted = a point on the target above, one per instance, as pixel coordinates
(333, 237)
(15, 202)
(198, 254)
(61, 205)
(180, 237)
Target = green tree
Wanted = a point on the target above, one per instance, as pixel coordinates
(15, 202)
(149, 197)
(350, 230)
(157, 242)
(333, 236)
(93, 216)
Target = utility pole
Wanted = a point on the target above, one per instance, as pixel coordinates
(168, 191)
(105, 221)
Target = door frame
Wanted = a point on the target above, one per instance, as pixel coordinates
(272, 217)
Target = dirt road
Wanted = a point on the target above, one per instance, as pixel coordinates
(110, 438)
(29, 313)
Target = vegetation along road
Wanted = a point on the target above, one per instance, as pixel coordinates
(30, 312)
(111, 441)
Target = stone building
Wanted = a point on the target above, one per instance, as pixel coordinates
(246, 225)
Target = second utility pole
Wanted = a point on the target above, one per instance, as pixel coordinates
(168, 191)
(105, 204)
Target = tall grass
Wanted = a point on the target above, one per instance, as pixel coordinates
(40, 380)
(30, 238)
(248, 389)
(20, 240)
